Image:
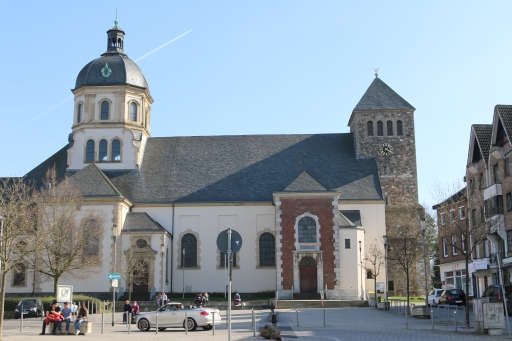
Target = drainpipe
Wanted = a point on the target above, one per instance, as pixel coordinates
(172, 251)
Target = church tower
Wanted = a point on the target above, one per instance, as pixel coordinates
(112, 104)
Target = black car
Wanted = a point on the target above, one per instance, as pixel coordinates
(31, 307)
(495, 294)
(453, 296)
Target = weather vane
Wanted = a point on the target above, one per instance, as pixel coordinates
(116, 22)
(376, 72)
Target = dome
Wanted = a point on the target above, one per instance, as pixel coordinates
(113, 67)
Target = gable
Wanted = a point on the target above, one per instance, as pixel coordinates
(305, 183)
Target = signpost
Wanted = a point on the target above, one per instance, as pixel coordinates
(229, 242)
(113, 278)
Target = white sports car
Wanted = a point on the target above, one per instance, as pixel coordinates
(172, 315)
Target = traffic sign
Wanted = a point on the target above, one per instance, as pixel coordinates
(113, 276)
(114, 283)
(64, 293)
(222, 241)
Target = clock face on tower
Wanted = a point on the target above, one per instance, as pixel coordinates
(386, 149)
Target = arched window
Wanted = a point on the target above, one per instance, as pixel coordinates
(380, 128)
(399, 131)
(91, 233)
(103, 150)
(307, 230)
(79, 113)
(133, 111)
(369, 128)
(390, 128)
(19, 274)
(89, 151)
(116, 150)
(267, 250)
(105, 108)
(189, 245)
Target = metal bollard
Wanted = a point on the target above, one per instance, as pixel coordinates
(406, 318)
(186, 323)
(156, 329)
(88, 308)
(432, 317)
(324, 317)
(21, 322)
(252, 314)
(253, 324)
(455, 318)
(102, 321)
(129, 317)
(213, 315)
(297, 317)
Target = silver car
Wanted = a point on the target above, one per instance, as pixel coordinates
(172, 315)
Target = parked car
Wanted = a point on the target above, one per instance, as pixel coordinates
(172, 315)
(434, 295)
(495, 294)
(453, 296)
(31, 307)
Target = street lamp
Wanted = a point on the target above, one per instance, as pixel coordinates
(422, 225)
(114, 239)
(183, 267)
(361, 270)
(385, 238)
(162, 248)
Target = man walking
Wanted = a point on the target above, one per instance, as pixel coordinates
(126, 310)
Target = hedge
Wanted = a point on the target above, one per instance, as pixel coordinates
(11, 303)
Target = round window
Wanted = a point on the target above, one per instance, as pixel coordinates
(141, 243)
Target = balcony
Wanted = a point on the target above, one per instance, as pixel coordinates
(492, 191)
(493, 258)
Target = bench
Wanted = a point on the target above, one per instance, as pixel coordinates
(85, 328)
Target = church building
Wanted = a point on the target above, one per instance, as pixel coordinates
(307, 206)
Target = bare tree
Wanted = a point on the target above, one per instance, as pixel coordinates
(70, 248)
(18, 236)
(374, 261)
(405, 245)
(463, 235)
(133, 269)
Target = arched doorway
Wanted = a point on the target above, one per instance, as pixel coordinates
(141, 277)
(308, 276)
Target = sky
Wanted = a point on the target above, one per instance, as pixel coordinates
(261, 67)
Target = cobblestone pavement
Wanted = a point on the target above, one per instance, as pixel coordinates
(340, 324)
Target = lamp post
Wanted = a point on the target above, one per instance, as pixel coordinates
(162, 248)
(183, 267)
(114, 239)
(422, 225)
(385, 238)
(361, 270)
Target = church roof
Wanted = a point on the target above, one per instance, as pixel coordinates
(59, 160)
(483, 133)
(350, 218)
(238, 169)
(380, 96)
(305, 183)
(141, 221)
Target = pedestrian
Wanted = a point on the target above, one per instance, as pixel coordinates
(164, 298)
(66, 314)
(205, 299)
(237, 299)
(199, 300)
(126, 309)
(82, 316)
(159, 300)
(51, 316)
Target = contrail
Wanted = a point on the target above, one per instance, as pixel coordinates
(158, 48)
(71, 97)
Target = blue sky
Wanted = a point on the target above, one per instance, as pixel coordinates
(262, 67)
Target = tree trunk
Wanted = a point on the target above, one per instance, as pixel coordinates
(2, 299)
(407, 283)
(467, 293)
(55, 286)
(375, 286)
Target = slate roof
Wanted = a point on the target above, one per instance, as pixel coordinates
(505, 112)
(483, 133)
(380, 96)
(141, 221)
(305, 183)
(59, 160)
(457, 197)
(237, 169)
(350, 218)
(246, 168)
(92, 182)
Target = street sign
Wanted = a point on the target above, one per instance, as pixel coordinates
(115, 283)
(222, 241)
(113, 276)
(65, 293)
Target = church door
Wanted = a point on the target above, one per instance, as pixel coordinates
(141, 278)
(308, 276)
